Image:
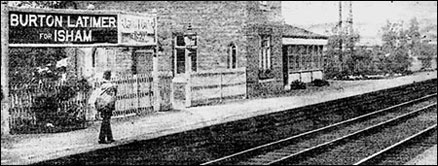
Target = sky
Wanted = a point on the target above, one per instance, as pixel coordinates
(371, 15)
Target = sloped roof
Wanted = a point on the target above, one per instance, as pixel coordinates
(295, 32)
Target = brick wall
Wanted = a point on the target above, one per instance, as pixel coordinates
(217, 24)
(255, 85)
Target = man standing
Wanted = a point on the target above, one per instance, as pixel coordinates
(105, 104)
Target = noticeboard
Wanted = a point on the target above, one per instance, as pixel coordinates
(75, 28)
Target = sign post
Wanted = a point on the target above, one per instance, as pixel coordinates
(4, 69)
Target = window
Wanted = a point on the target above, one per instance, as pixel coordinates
(315, 57)
(180, 41)
(309, 57)
(232, 54)
(180, 55)
(321, 57)
(293, 57)
(300, 57)
(191, 42)
(265, 52)
(193, 55)
(185, 53)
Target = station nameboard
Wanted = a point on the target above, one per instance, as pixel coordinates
(63, 28)
(136, 30)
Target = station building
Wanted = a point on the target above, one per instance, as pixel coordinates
(216, 50)
(190, 53)
(204, 51)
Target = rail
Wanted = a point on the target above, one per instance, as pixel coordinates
(398, 144)
(272, 145)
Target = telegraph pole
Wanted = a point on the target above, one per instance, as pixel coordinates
(5, 68)
(350, 32)
(340, 37)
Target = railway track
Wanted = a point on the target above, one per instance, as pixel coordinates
(309, 143)
(205, 144)
(319, 115)
(389, 155)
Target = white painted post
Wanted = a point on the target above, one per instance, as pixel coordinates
(155, 73)
(220, 85)
(5, 129)
(155, 83)
(189, 80)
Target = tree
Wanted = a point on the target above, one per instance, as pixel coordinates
(397, 45)
(339, 54)
(414, 37)
(427, 52)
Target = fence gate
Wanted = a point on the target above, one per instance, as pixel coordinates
(134, 95)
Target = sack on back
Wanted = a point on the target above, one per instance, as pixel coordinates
(106, 100)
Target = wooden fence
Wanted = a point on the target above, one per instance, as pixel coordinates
(34, 105)
(134, 95)
(207, 86)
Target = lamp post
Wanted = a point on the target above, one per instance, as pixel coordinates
(190, 44)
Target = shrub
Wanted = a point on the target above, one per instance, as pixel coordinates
(407, 72)
(297, 85)
(266, 74)
(320, 82)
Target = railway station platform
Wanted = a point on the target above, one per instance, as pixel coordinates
(32, 148)
(428, 157)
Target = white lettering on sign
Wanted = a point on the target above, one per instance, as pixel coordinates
(131, 24)
(75, 28)
(137, 29)
(53, 20)
(73, 35)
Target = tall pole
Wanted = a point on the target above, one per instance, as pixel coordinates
(4, 68)
(350, 17)
(350, 27)
(340, 36)
(340, 16)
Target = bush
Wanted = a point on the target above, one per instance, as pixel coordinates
(407, 72)
(297, 85)
(320, 82)
(266, 74)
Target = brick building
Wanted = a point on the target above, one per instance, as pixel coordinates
(204, 36)
(202, 52)
(213, 49)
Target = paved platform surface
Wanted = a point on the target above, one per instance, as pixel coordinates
(31, 148)
(428, 157)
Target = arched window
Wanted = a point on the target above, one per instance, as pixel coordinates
(232, 55)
